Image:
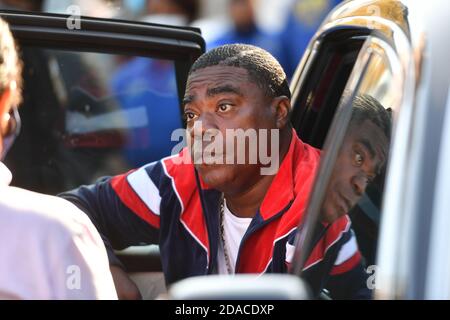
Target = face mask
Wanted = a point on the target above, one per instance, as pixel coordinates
(169, 19)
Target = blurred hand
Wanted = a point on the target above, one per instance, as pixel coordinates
(125, 287)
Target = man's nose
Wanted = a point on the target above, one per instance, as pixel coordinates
(359, 184)
(204, 126)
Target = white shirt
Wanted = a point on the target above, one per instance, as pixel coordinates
(234, 230)
(49, 249)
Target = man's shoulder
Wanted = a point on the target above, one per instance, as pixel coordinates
(178, 167)
(46, 235)
(153, 181)
(30, 212)
(306, 152)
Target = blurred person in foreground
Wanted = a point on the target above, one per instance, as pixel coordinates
(49, 249)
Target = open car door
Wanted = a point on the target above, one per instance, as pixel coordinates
(101, 97)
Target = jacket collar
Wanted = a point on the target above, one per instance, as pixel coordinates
(281, 191)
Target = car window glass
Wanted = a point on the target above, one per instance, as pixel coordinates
(350, 182)
(315, 95)
(89, 114)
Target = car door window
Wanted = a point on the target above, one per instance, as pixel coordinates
(350, 181)
(98, 114)
(97, 101)
(320, 80)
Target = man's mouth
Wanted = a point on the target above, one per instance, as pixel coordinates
(202, 158)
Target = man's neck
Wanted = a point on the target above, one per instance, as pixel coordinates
(247, 203)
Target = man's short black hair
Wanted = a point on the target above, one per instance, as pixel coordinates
(366, 107)
(263, 69)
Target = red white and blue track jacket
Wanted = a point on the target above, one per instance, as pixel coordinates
(166, 203)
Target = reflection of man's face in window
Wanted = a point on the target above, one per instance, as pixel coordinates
(360, 160)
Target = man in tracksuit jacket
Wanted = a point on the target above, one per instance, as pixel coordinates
(179, 205)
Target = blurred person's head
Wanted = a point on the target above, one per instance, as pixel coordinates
(242, 14)
(361, 159)
(236, 87)
(186, 10)
(26, 5)
(10, 84)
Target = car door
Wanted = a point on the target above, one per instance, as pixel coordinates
(101, 97)
(355, 58)
(353, 81)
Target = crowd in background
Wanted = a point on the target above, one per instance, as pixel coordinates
(282, 27)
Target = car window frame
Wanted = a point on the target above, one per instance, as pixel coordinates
(183, 45)
(305, 240)
(303, 82)
(406, 94)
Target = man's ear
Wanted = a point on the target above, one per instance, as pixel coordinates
(282, 106)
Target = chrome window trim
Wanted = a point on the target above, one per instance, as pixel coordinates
(301, 72)
(394, 217)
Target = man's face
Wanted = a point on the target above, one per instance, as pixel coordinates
(220, 98)
(360, 160)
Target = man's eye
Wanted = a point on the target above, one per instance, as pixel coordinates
(224, 107)
(189, 116)
(358, 159)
